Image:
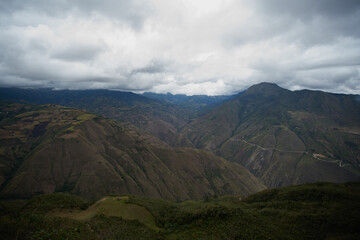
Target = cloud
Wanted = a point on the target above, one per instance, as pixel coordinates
(132, 12)
(181, 46)
(77, 52)
(308, 9)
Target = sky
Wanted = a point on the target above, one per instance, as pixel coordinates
(212, 47)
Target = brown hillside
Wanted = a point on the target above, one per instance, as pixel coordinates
(51, 148)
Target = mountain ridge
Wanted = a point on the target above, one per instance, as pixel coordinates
(268, 116)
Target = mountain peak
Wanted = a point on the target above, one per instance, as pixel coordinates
(265, 89)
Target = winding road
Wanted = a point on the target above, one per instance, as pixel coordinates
(340, 162)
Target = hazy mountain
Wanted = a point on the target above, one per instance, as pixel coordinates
(195, 103)
(161, 119)
(285, 137)
(51, 148)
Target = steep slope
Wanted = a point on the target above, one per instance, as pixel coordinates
(51, 148)
(285, 137)
(159, 118)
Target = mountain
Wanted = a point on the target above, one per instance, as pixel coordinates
(311, 211)
(285, 137)
(50, 148)
(161, 119)
(196, 103)
(282, 137)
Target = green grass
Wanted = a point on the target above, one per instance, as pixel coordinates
(119, 207)
(85, 116)
(112, 227)
(111, 206)
(70, 129)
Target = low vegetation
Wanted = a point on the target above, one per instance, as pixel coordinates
(310, 211)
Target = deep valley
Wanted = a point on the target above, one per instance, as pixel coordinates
(99, 164)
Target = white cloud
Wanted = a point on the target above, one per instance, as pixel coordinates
(191, 47)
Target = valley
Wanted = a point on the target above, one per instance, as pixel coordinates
(180, 120)
(99, 164)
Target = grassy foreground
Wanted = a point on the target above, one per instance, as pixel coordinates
(310, 211)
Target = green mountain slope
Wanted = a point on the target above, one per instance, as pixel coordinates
(285, 137)
(50, 148)
(161, 119)
(310, 211)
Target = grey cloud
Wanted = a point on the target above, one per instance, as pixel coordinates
(253, 34)
(78, 53)
(335, 72)
(132, 12)
(152, 68)
(307, 25)
(127, 45)
(332, 79)
(304, 22)
(349, 62)
(307, 9)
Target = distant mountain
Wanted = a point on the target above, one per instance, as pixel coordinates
(195, 103)
(285, 137)
(161, 119)
(49, 148)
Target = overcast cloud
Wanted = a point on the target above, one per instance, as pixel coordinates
(180, 46)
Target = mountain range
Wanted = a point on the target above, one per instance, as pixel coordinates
(170, 148)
